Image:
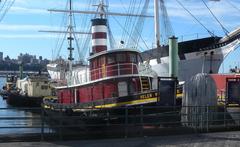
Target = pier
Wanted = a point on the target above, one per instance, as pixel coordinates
(196, 140)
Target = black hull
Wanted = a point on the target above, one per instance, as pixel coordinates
(4, 94)
(24, 101)
(114, 117)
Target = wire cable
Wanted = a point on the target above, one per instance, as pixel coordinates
(10, 4)
(223, 28)
(229, 2)
(211, 33)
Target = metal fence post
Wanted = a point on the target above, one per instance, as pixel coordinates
(224, 116)
(42, 122)
(201, 118)
(207, 117)
(141, 121)
(61, 124)
(108, 118)
(126, 122)
(196, 118)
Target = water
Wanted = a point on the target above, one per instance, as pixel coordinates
(8, 111)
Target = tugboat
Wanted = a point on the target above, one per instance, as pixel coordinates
(115, 78)
(9, 86)
(30, 91)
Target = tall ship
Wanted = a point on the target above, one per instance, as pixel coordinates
(203, 55)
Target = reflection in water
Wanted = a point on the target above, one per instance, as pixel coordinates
(7, 111)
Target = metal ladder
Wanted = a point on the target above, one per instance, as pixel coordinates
(145, 83)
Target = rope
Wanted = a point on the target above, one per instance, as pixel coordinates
(223, 28)
(123, 28)
(112, 41)
(7, 9)
(123, 6)
(136, 34)
(167, 29)
(212, 34)
(3, 5)
(59, 44)
(228, 1)
(128, 21)
(134, 21)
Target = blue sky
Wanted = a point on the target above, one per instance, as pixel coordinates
(19, 28)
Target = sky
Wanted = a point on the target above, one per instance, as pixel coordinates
(19, 29)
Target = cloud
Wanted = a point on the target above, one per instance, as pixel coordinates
(41, 6)
(24, 10)
(27, 36)
(12, 27)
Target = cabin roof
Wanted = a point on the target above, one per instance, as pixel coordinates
(113, 51)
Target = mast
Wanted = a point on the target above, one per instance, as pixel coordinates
(70, 39)
(156, 23)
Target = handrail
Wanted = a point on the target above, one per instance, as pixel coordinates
(116, 70)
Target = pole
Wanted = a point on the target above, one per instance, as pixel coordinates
(156, 23)
(173, 56)
(70, 39)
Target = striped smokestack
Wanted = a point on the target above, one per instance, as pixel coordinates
(99, 35)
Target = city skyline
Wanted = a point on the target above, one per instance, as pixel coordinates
(2, 56)
(19, 29)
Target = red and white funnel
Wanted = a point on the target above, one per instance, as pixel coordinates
(99, 35)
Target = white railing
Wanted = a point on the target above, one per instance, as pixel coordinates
(114, 70)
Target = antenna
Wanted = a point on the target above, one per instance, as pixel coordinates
(101, 9)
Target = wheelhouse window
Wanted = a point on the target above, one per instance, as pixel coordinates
(121, 58)
(133, 58)
(111, 59)
(91, 64)
(139, 59)
(101, 61)
(95, 64)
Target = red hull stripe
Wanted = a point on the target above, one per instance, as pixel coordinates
(99, 35)
(99, 48)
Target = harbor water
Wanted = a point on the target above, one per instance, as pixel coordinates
(13, 120)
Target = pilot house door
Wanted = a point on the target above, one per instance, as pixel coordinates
(122, 89)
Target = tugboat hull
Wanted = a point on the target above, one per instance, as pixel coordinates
(24, 101)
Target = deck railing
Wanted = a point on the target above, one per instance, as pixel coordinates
(114, 70)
